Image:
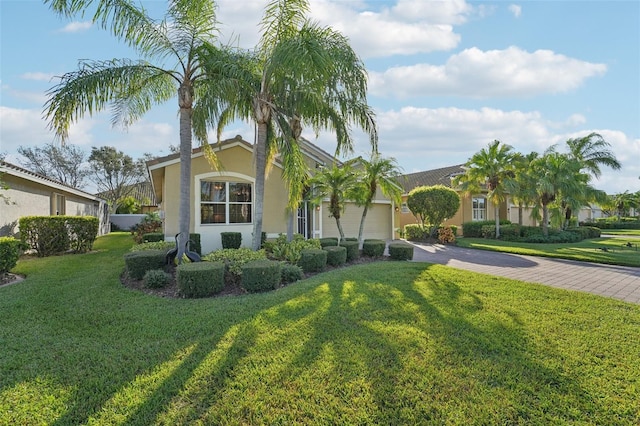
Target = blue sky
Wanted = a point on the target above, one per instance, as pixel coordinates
(445, 78)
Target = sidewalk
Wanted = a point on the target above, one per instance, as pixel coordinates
(619, 282)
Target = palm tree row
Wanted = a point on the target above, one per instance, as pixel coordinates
(554, 184)
(357, 180)
(300, 74)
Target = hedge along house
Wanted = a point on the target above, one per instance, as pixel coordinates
(222, 200)
(473, 207)
(30, 194)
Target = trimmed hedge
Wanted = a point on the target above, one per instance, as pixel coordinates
(350, 239)
(195, 244)
(139, 262)
(261, 275)
(414, 232)
(158, 245)
(353, 249)
(603, 223)
(200, 279)
(336, 255)
(49, 235)
(373, 248)
(235, 258)
(10, 249)
(328, 242)
(153, 237)
(291, 273)
(231, 240)
(400, 251)
(312, 260)
(474, 229)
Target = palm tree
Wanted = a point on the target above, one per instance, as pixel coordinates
(557, 176)
(593, 151)
(490, 166)
(175, 53)
(522, 187)
(338, 183)
(377, 172)
(300, 74)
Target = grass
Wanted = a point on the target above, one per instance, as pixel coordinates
(599, 250)
(385, 343)
(624, 232)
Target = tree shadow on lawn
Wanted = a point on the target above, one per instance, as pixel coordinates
(337, 347)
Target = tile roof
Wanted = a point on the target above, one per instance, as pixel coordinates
(441, 176)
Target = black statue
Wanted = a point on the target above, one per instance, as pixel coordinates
(191, 255)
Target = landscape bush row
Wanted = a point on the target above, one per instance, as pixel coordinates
(527, 234)
(49, 235)
(280, 262)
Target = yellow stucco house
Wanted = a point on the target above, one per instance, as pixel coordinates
(473, 207)
(222, 201)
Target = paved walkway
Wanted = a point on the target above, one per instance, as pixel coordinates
(619, 282)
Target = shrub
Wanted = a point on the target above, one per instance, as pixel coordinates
(312, 260)
(10, 249)
(231, 240)
(281, 249)
(139, 262)
(433, 205)
(156, 278)
(150, 223)
(291, 273)
(488, 231)
(446, 235)
(327, 242)
(47, 235)
(83, 231)
(353, 249)
(415, 232)
(474, 229)
(158, 245)
(336, 255)
(510, 232)
(200, 279)
(261, 275)
(235, 258)
(373, 248)
(400, 251)
(195, 243)
(153, 237)
(350, 239)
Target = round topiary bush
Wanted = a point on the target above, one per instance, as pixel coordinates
(156, 278)
(261, 275)
(353, 249)
(327, 242)
(312, 260)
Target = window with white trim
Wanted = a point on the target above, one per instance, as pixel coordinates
(225, 202)
(479, 208)
(405, 208)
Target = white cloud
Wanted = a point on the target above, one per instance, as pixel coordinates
(37, 76)
(516, 10)
(511, 72)
(75, 27)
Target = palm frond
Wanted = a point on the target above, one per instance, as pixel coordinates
(97, 83)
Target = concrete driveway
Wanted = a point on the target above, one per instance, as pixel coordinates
(619, 282)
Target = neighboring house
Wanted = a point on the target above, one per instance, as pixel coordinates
(31, 194)
(474, 207)
(142, 192)
(222, 201)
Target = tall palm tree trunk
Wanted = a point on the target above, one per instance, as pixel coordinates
(496, 212)
(545, 220)
(260, 152)
(185, 100)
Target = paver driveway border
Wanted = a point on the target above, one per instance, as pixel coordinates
(619, 282)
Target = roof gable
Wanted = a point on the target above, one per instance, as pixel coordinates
(441, 176)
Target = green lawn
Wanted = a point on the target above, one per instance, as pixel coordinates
(384, 343)
(624, 232)
(611, 250)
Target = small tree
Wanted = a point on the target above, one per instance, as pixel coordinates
(114, 173)
(432, 205)
(337, 183)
